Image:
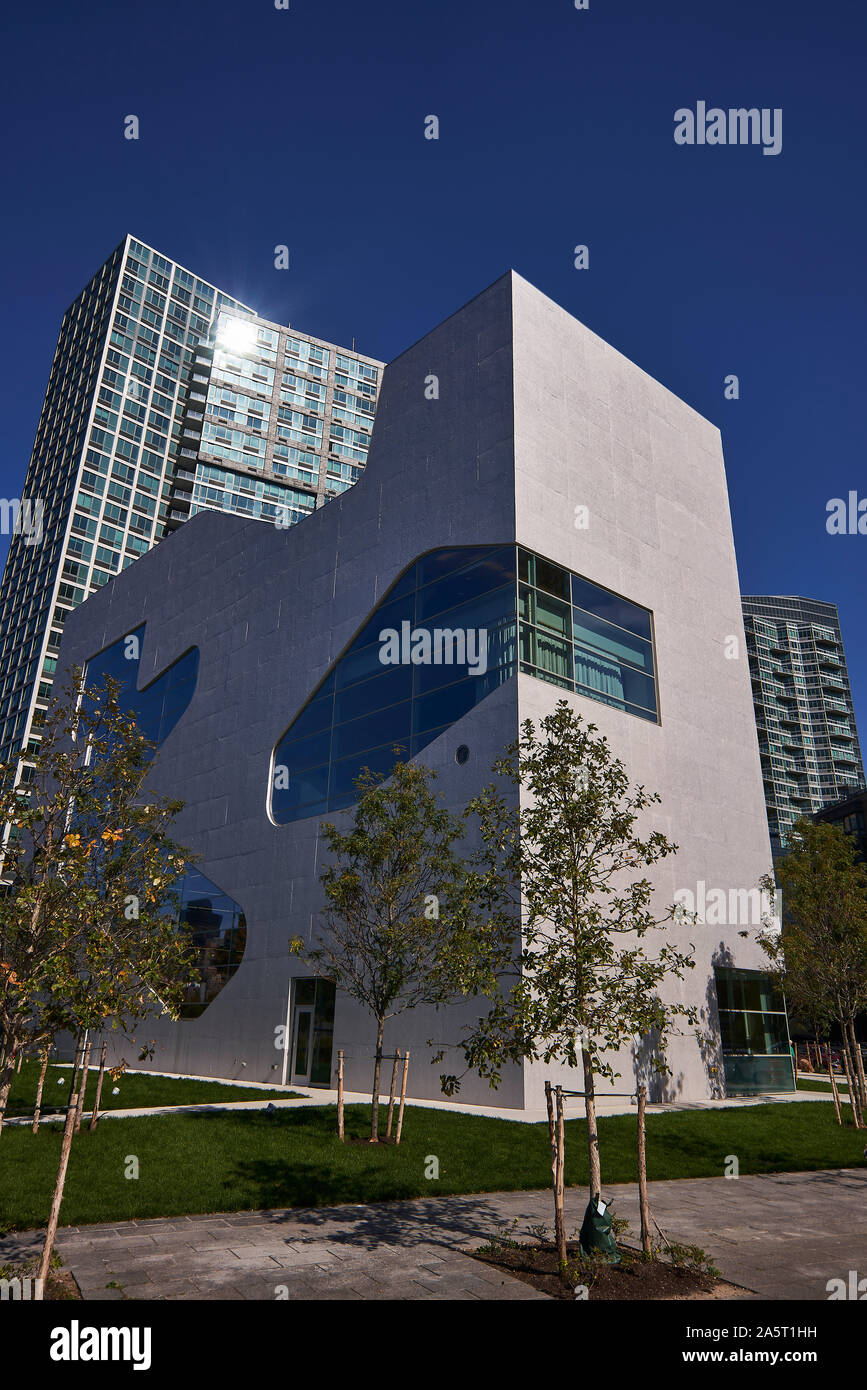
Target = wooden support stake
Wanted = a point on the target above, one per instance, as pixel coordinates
(46, 1054)
(642, 1174)
(83, 1088)
(858, 1066)
(340, 1095)
(850, 1082)
(51, 1231)
(94, 1119)
(834, 1091)
(76, 1069)
(402, 1096)
(391, 1094)
(559, 1215)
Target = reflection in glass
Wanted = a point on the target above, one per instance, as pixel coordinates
(160, 706)
(218, 931)
(368, 714)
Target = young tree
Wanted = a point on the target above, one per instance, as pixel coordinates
(88, 934)
(820, 957)
(581, 985)
(408, 923)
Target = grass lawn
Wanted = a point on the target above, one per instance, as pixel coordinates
(819, 1085)
(239, 1160)
(133, 1090)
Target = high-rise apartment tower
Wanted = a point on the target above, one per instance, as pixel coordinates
(804, 712)
(166, 397)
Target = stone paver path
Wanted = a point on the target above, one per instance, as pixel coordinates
(781, 1236)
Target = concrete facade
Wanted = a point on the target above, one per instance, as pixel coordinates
(535, 417)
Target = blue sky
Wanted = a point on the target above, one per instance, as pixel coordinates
(305, 127)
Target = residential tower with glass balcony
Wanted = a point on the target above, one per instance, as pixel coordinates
(166, 396)
(808, 739)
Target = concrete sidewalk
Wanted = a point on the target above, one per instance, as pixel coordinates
(320, 1097)
(781, 1236)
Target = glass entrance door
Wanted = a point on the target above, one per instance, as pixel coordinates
(302, 1050)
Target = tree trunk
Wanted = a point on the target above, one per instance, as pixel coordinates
(559, 1226)
(340, 1095)
(94, 1119)
(6, 1084)
(76, 1068)
(51, 1231)
(38, 1110)
(834, 1091)
(642, 1175)
(374, 1099)
(592, 1131)
(80, 1106)
(850, 1080)
(858, 1062)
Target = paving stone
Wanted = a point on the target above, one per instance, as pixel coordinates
(789, 1235)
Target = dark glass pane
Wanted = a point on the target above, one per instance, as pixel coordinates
(752, 992)
(312, 720)
(610, 641)
(303, 753)
(305, 991)
(325, 999)
(526, 567)
(733, 1031)
(218, 931)
(406, 585)
(374, 729)
(343, 774)
(304, 788)
(724, 992)
(420, 741)
(392, 686)
(648, 714)
(173, 707)
(389, 615)
(302, 1042)
(159, 707)
(441, 562)
(613, 609)
(491, 573)
(552, 578)
(493, 613)
(359, 665)
(445, 706)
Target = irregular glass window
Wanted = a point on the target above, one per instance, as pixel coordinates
(218, 931)
(442, 638)
(157, 708)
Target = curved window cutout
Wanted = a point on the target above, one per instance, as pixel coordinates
(157, 708)
(218, 930)
(454, 624)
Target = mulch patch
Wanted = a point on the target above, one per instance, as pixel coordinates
(633, 1279)
(60, 1286)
